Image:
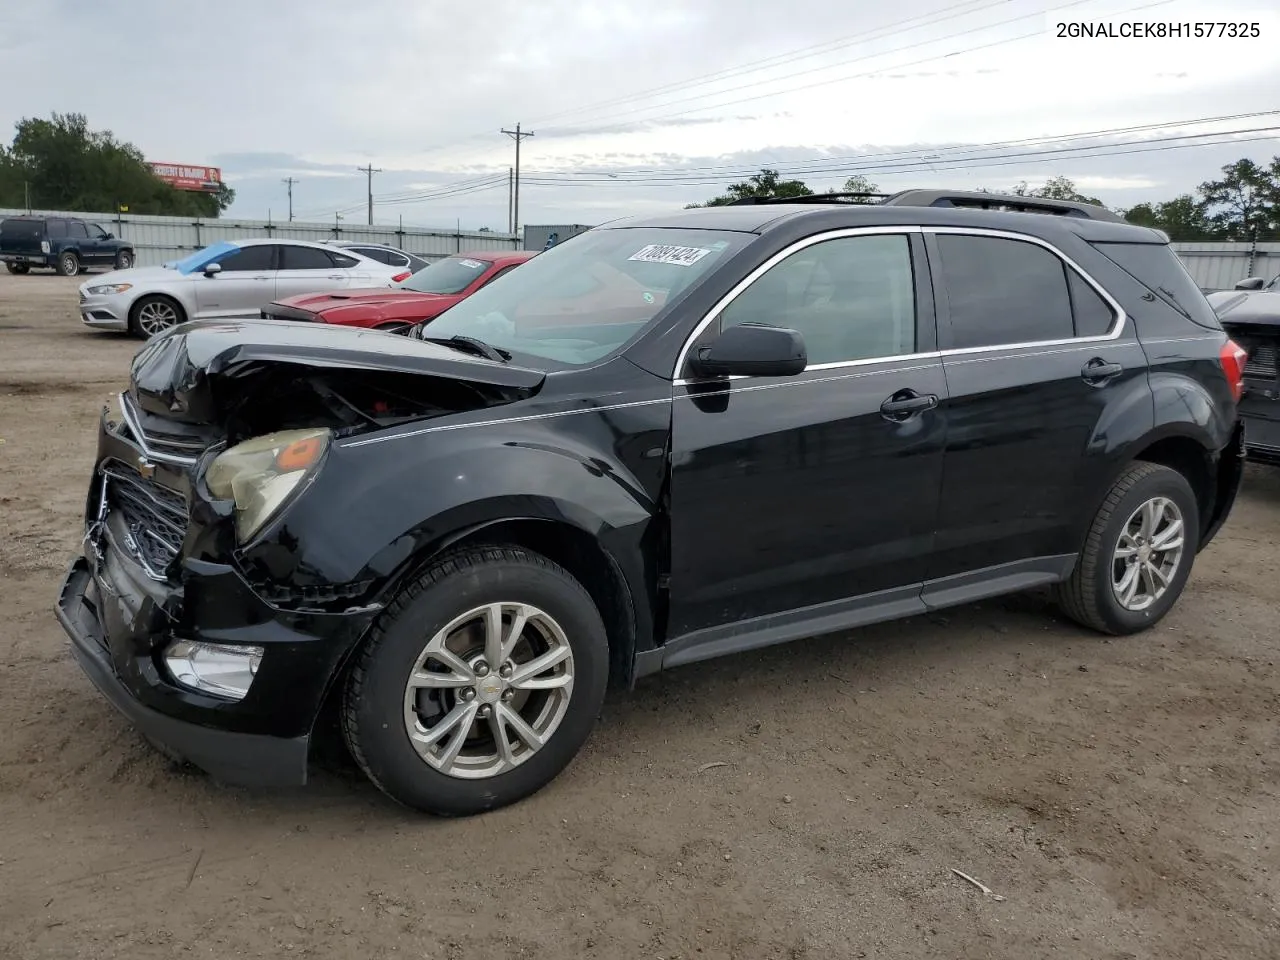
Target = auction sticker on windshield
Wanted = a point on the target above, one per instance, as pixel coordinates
(663, 253)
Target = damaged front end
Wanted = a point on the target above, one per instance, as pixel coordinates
(220, 659)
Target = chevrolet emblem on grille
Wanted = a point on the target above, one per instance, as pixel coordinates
(146, 468)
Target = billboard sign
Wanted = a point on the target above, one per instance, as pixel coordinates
(184, 177)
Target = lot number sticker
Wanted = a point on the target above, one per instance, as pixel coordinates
(662, 253)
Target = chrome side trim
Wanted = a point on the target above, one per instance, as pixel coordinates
(1117, 327)
(792, 382)
(489, 423)
(140, 439)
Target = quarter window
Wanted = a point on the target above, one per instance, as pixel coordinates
(57, 229)
(1003, 291)
(343, 261)
(852, 298)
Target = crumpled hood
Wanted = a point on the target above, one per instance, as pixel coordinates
(192, 371)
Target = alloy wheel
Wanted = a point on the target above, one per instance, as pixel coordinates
(489, 690)
(156, 316)
(1148, 553)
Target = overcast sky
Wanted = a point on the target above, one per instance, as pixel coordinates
(641, 106)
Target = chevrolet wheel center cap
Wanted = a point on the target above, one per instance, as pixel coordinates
(489, 690)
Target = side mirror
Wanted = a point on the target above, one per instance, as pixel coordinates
(753, 350)
(1250, 283)
(212, 269)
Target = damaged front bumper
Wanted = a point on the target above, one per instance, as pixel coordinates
(122, 610)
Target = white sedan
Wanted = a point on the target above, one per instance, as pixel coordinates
(225, 280)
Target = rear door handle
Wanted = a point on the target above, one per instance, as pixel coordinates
(1098, 371)
(905, 404)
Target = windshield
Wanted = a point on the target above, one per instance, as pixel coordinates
(451, 275)
(194, 261)
(589, 296)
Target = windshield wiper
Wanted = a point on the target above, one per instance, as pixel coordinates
(472, 345)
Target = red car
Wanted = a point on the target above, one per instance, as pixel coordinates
(424, 296)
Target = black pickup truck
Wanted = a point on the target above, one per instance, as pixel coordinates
(66, 244)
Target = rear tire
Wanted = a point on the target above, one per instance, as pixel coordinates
(1137, 555)
(69, 264)
(18, 269)
(432, 692)
(124, 260)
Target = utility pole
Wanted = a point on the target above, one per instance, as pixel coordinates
(289, 182)
(369, 171)
(26, 194)
(517, 135)
(510, 217)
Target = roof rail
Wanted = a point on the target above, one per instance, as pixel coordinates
(813, 198)
(1001, 201)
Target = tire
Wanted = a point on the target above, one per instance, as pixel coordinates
(69, 264)
(124, 260)
(1090, 595)
(18, 269)
(155, 314)
(379, 708)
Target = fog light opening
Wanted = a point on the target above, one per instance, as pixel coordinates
(218, 669)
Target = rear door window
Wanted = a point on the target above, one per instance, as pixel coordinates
(1003, 292)
(304, 258)
(76, 230)
(260, 256)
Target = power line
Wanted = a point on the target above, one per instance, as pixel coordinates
(369, 171)
(869, 73)
(932, 151)
(517, 135)
(289, 182)
(977, 163)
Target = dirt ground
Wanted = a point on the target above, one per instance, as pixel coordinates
(1118, 797)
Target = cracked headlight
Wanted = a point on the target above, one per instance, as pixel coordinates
(260, 474)
(107, 289)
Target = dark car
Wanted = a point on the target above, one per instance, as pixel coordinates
(1251, 316)
(661, 441)
(66, 244)
(413, 300)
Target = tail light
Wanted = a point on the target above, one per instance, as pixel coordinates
(400, 277)
(1233, 358)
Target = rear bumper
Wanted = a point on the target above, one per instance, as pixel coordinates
(241, 758)
(32, 259)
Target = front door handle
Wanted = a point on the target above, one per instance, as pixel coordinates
(905, 404)
(1097, 371)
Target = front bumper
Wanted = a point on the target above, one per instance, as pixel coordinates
(121, 613)
(105, 313)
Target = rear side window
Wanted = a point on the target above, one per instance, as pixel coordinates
(342, 260)
(57, 229)
(24, 229)
(1004, 292)
(1157, 267)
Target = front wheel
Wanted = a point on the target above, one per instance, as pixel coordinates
(153, 315)
(1138, 553)
(69, 264)
(479, 684)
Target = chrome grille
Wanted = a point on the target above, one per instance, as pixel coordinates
(172, 447)
(1261, 363)
(154, 516)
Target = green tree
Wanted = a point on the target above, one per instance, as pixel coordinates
(1246, 199)
(1183, 218)
(766, 183)
(860, 184)
(63, 165)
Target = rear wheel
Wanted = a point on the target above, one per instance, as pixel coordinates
(18, 268)
(479, 684)
(153, 315)
(124, 260)
(69, 264)
(1138, 553)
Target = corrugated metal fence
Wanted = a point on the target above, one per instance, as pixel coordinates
(1220, 266)
(157, 239)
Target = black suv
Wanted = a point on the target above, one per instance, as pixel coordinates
(66, 244)
(660, 441)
